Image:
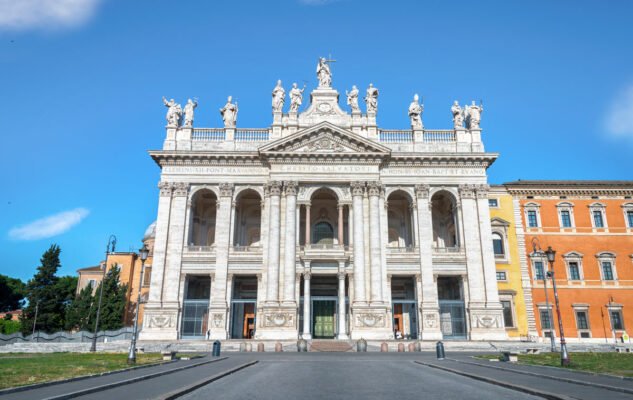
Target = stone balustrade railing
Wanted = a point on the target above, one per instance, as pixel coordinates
(320, 246)
(199, 249)
(252, 135)
(208, 135)
(397, 249)
(439, 136)
(448, 250)
(250, 249)
(396, 136)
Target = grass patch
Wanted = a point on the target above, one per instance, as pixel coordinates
(19, 369)
(620, 364)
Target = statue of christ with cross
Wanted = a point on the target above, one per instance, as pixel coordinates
(324, 72)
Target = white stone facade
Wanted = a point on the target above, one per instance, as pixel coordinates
(323, 225)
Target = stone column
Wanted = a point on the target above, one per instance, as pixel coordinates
(375, 244)
(474, 262)
(308, 224)
(290, 250)
(219, 305)
(359, 243)
(429, 307)
(306, 302)
(342, 332)
(340, 224)
(272, 292)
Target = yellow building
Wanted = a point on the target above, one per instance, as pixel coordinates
(513, 277)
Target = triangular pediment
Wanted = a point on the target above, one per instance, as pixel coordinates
(324, 138)
(496, 221)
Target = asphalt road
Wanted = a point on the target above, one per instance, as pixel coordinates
(348, 376)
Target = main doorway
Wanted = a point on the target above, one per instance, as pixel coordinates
(324, 318)
(195, 308)
(243, 307)
(405, 315)
(452, 310)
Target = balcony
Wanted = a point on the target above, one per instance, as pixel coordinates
(449, 254)
(401, 250)
(200, 249)
(324, 251)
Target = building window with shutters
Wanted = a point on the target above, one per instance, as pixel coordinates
(582, 321)
(497, 244)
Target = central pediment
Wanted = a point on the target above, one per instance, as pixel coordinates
(324, 140)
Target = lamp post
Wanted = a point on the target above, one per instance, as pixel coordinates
(552, 330)
(564, 357)
(131, 358)
(109, 249)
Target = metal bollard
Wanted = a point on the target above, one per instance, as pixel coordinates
(216, 348)
(439, 349)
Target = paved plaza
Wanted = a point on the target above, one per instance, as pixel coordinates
(338, 376)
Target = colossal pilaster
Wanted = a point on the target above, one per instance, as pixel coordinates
(342, 309)
(358, 189)
(272, 292)
(375, 244)
(290, 248)
(307, 302)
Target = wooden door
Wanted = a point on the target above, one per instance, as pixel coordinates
(249, 321)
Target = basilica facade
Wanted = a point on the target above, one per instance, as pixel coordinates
(323, 225)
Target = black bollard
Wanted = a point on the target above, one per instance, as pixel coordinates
(439, 349)
(216, 348)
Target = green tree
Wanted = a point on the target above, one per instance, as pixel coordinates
(12, 292)
(42, 295)
(112, 304)
(66, 287)
(79, 311)
(7, 327)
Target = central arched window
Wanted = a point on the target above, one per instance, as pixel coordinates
(323, 233)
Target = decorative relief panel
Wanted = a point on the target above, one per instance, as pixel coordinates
(430, 320)
(370, 320)
(161, 320)
(485, 321)
(217, 320)
(279, 320)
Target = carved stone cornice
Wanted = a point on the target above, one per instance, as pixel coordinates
(180, 189)
(467, 191)
(290, 188)
(165, 189)
(226, 189)
(422, 191)
(204, 158)
(275, 188)
(453, 160)
(358, 188)
(373, 188)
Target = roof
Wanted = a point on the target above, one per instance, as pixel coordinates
(572, 188)
(96, 268)
(568, 183)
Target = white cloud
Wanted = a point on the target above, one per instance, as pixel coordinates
(317, 2)
(49, 226)
(619, 121)
(45, 14)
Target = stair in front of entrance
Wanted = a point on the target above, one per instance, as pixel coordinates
(329, 345)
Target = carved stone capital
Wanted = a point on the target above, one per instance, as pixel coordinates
(341, 275)
(467, 191)
(358, 188)
(482, 191)
(275, 188)
(165, 189)
(422, 191)
(290, 188)
(266, 190)
(226, 189)
(307, 275)
(418, 277)
(373, 188)
(180, 189)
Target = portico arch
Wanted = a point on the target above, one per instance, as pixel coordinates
(203, 213)
(248, 216)
(443, 209)
(324, 218)
(400, 219)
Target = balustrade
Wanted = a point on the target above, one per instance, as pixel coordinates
(439, 136)
(208, 134)
(251, 135)
(396, 136)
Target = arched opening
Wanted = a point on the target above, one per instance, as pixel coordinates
(203, 213)
(444, 221)
(325, 220)
(400, 220)
(248, 217)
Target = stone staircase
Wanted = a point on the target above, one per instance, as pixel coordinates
(330, 346)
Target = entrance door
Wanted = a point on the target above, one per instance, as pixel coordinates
(405, 322)
(452, 319)
(323, 320)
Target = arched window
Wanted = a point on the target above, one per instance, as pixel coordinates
(497, 244)
(323, 233)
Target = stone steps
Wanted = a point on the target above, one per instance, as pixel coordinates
(330, 346)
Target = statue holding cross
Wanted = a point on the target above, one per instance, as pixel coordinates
(324, 72)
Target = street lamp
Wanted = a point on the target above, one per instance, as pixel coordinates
(109, 249)
(552, 330)
(131, 358)
(564, 357)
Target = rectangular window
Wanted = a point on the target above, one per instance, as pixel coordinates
(507, 313)
(565, 219)
(597, 219)
(546, 322)
(147, 277)
(629, 218)
(582, 320)
(616, 320)
(538, 270)
(532, 221)
(574, 271)
(493, 203)
(607, 271)
(501, 276)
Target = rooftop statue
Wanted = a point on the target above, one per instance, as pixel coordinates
(296, 97)
(174, 112)
(458, 115)
(323, 73)
(189, 112)
(279, 97)
(352, 99)
(229, 113)
(372, 99)
(415, 112)
(473, 115)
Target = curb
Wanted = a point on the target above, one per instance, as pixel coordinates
(554, 378)
(82, 377)
(624, 378)
(508, 385)
(180, 392)
(128, 381)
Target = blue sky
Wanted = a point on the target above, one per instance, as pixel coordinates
(82, 82)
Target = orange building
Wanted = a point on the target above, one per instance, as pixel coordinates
(130, 265)
(590, 226)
